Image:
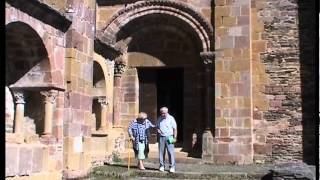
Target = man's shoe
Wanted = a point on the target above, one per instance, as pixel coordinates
(161, 169)
(172, 170)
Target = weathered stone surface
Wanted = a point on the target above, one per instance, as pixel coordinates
(37, 159)
(25, 160)
(12, 159)
(31, 138)
(9, 111)
(280, 55)
(292, 171)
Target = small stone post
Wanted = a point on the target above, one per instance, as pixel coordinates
(50, 99)
(19, 115)
(103, 102)
(117, 92)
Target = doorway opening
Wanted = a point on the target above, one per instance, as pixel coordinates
(159, 87)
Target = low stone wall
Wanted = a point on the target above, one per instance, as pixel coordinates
(29, 160)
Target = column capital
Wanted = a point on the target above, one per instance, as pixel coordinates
(18, 97)
(119, 65)
(103, 101)
(119, 68)
(207, 57)
(50, 96)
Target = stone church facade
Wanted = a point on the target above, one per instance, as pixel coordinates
(238, 75)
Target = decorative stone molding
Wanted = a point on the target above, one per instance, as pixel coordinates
(119, 69)
(119, 65)
(50, 96)
(103, 101)
(177, 9)
(19, 97)
(207, 57)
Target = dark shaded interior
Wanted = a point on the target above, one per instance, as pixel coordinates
(96, 109)
(24, 50)
(97, 74)
(161, 87)
(307, 36)
(35, 109)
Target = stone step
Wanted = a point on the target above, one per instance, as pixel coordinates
(133, 173)
(155, 161)
(154, 153)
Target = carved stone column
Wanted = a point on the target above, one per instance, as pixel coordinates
(119, 68)
(19, 115)
(207, 137)
(49, 100)
(104, 103)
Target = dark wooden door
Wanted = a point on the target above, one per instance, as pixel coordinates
(170, 94)
(148, 97)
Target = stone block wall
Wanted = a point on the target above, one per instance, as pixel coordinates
(233, 118)
(279, 52)
(202, 6)
(130, 96)
(78, 77)
(259, 79)
(30, 158)
(59, 5)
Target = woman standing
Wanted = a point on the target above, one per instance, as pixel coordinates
(139, 130)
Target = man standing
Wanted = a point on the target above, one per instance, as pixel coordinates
(167, 129)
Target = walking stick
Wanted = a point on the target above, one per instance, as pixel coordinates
(129, 147)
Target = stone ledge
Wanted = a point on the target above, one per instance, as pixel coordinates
(14, 138)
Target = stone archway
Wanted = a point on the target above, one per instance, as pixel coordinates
(184, 27)
(28, 70)
(179, 10)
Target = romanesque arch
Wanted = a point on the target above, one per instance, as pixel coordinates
(101, 93)
(191, 32)
(176, 9)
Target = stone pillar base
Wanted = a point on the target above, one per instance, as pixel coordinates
(48, 139)
(207, 146)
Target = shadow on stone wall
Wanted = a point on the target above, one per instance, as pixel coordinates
(306, 10)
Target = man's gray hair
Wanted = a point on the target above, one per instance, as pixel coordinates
(164, 109)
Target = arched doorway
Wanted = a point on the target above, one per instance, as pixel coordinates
(169, 73)
(168, 62)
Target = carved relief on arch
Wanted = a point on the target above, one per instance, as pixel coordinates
(207, 57)
(179, 10)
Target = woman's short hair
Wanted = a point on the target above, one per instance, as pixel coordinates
(142, 115)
